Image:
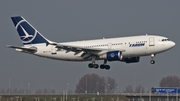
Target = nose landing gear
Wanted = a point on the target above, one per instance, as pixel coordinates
(152, 59)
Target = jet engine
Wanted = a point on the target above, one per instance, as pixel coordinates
(117, 56)
(112, 56)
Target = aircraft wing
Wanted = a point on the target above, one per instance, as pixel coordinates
(24, 49)
(78, 49)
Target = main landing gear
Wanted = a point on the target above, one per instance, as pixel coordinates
(93, 65)
(104, 66)
(152, 59)
(96, 66)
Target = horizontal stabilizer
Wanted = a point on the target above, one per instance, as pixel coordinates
(24, 49)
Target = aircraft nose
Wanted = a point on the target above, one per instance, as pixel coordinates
(171, 44)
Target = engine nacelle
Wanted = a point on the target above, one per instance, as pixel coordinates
(117, 56)
(131, 59)
(112, 56)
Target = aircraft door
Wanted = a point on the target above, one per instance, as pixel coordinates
(53, 50)
(109, 45)
(151, 41)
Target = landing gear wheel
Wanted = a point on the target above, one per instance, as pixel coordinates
(152, 59)
(107, 67)
(102, 66)
(152, 62)
(90, 65)
(96, 66)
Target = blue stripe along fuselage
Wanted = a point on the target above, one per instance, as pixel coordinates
(136, 45)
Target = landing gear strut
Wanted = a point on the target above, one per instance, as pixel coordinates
(152, 59)
(93, 65)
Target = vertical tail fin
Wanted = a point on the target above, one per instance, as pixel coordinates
(28, 34)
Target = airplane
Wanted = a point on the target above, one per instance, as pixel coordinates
(125, 49)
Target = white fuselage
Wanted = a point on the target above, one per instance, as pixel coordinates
(134, 46)
(124, 49)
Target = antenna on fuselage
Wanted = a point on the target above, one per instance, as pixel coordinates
(146, 34)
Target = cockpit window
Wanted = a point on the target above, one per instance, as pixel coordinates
(165, 40)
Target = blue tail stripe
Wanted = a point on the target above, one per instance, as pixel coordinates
(27, 27)
(27, 33)
(21, 33)
(38, 39)
(16, 19)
